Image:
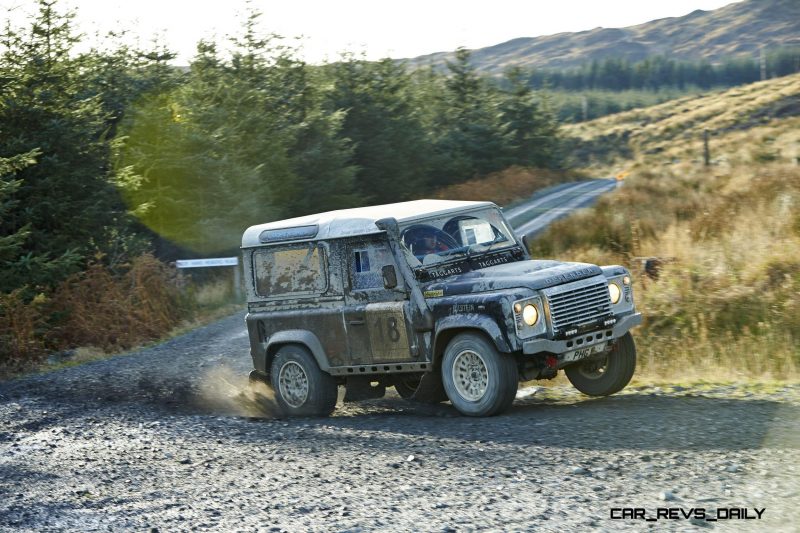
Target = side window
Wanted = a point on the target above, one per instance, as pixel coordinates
(293, 271)
(366, 262)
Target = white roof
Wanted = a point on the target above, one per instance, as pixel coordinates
(361, 220)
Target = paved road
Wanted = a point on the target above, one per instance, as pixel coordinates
(535, 214)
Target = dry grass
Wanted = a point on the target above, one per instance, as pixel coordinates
(726, 303)
(505, 186)
(97, 313)
(673, 131)
(116, 313)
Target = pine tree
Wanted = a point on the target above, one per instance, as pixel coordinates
(66, 200)
(532, 127)
(471, 132)
(391, 148)
(242, 141)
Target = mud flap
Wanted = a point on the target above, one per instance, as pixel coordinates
(430, 389)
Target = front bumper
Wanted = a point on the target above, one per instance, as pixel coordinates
(625, 323)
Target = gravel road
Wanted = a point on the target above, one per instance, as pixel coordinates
(171, 439)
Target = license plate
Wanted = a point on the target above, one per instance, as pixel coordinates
(583, 353)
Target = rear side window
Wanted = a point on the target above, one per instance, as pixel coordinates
(366, 264)
(294, 271)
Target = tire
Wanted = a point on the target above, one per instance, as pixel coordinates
(406, 386)
(413, 389)
(478, 380)
(609, 375)
(301, 388)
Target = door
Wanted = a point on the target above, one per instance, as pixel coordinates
(375, 317)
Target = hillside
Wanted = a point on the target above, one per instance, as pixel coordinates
(721, 301)
(675, 129)
(738, 28)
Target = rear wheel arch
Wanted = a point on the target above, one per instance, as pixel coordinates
(303, 338)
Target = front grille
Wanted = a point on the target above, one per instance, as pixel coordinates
(579, 303)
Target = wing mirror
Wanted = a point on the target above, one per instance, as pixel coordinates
(389, 277)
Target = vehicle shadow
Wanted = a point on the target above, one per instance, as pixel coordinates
(638, 421)
(633, 421)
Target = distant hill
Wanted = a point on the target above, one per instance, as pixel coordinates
(670, 130)
(736, 29)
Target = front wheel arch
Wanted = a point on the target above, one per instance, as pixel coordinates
(446, 333)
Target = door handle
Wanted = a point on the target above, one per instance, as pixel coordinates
(357, 322)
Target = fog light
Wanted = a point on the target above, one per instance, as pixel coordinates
(530, 315)
(614, 292)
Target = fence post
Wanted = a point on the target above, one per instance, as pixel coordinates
(706, 150)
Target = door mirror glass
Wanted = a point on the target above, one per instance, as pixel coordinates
(389, 276)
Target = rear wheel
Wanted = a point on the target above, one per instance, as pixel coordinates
(479, 380)
(301, 388)
(605, 376)
(406, 386)
(426, 388)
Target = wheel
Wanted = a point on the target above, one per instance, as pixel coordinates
(478, 379)
(607, 375)
(406, 385)
(301, 388)
(423, 389)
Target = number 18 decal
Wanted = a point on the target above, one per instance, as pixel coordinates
(387, 332)
(387, 328)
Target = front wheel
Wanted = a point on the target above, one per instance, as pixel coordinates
(301, 388)
(605, 376)
(479, 380)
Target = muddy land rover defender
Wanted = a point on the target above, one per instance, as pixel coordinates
(438, 299)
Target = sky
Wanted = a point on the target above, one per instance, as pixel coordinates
(375, 28)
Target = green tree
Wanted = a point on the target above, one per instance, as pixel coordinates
(242, 141)
(21, 267)
(65, 201)
(198, 159)
(470, 130)
(391, 148)
(530, 122)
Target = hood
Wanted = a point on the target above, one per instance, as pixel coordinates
(535, 275)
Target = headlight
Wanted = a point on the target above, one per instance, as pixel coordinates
(530, 315)
(614, 292)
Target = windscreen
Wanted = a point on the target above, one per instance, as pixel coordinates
(453, 236)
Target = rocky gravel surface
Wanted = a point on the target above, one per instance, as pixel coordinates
(171, 438)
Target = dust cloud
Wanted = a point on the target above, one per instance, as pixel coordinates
(223, 391)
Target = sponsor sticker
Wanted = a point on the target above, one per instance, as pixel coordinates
(433, 294)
